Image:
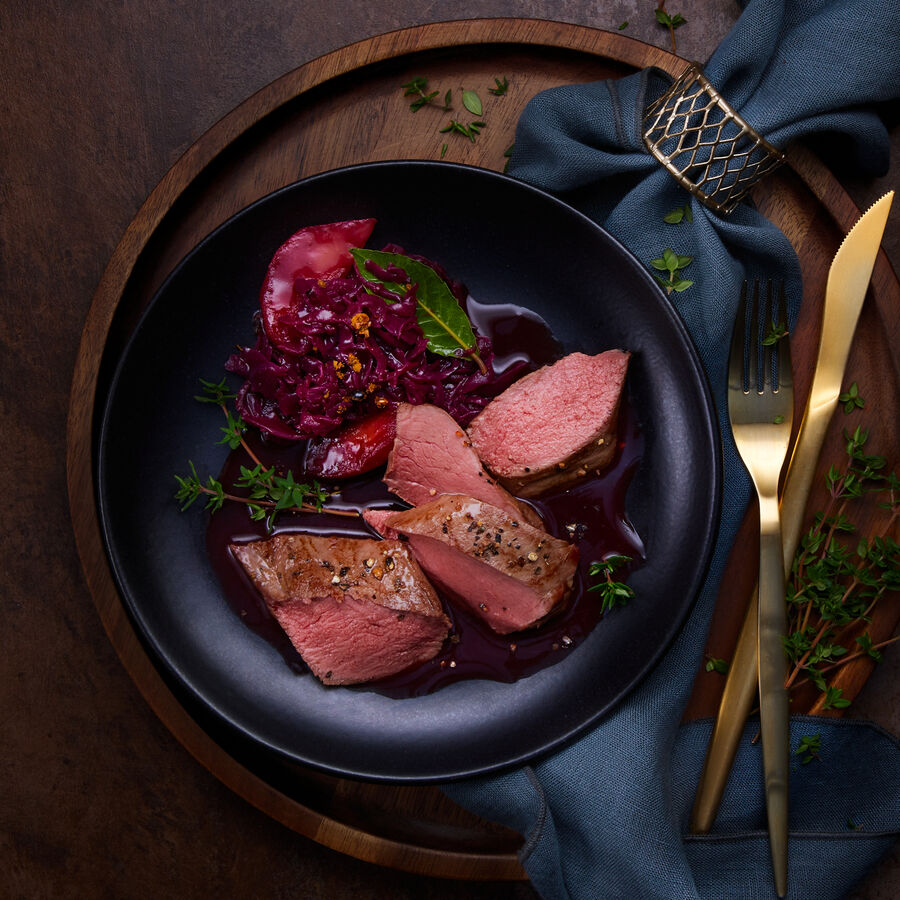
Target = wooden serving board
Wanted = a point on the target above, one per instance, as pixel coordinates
(348, 107)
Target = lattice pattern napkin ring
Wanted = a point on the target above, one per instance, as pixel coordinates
(709, 149)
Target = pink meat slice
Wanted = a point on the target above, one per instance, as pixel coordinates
(377, 518)
(433, 455)
(555, 426)
(355, 609)
(510, 574)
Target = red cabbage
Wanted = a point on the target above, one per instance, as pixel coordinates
(345, 352)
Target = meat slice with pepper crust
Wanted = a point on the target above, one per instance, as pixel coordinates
(510, 574)
(355, 609)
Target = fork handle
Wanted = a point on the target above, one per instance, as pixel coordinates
(773, 696)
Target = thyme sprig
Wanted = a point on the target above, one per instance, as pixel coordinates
(263, 491)
(472, 103)
(612, 593)
(672, 263)
(669, 21)
(838, 577)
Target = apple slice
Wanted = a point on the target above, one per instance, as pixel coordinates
(317, 251)
(354, 448)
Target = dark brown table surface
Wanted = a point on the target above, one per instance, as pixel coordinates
(100, 99)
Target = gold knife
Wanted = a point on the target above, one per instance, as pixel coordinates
(848, 280)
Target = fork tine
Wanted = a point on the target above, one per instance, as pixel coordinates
(736, 359)
(785, 369)
(769, 351)
(754, 350)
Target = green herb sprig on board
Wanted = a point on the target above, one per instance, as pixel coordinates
(418, 88)
(839, 576)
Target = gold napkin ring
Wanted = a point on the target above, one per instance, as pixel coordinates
(709, 149)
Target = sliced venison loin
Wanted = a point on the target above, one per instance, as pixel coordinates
(432, 455)
(510, 574)
(355, 609)
(555, 426)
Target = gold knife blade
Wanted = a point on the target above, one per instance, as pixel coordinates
(848, 280)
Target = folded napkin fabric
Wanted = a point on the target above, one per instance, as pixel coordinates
(606, 816)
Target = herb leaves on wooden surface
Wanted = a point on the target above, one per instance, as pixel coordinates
(839, 576)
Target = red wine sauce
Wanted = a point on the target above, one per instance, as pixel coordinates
(591, 515)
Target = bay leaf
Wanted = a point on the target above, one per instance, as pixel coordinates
(442, 320)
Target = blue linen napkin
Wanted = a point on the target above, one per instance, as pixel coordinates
(606, 816)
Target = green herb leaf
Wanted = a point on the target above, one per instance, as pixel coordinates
(674, 217)
(851, 399)
(499, 89)
(809, 747)
(623, 26)
(714, 664)
(612, 593)
(472, 102)
(215, 392)
(442, 320)
(469, 131)
(415, 86)
(775, 334)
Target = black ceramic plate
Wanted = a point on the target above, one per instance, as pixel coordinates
(510, 244)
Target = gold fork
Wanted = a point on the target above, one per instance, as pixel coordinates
(760, 409)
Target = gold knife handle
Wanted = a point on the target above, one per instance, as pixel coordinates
(737, 701)
(742, 680)
(773, 698)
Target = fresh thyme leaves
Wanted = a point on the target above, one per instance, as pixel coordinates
(669, 21)
(261, 489)
(672, 263)
(500, 87)
(417, 88)
(838, 576)
(508, 152)
(775, 334)
(834, 698)
(809, 747)
(851, 399)
(679, 214)
(470, 131)
(714, 664)
(472, 103)
(214, 392)
(623, 26)
(268, 493)
(612, 593)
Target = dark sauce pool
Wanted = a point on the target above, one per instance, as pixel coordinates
(591, 515)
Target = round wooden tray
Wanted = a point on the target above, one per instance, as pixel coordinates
(348, 107)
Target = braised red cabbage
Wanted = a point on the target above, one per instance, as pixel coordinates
(345, 352)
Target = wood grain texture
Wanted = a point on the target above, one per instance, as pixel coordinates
(313, 119)
(271, 139)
